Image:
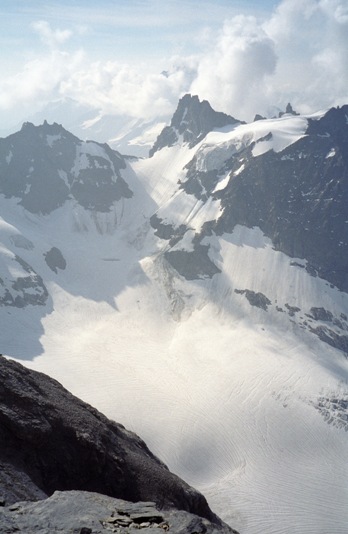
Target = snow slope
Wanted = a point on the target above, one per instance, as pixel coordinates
(242, 402)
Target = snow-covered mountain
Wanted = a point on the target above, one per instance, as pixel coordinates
(287, 179)
(198, 296)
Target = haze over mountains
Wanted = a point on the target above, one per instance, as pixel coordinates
(198, 296)
(124, 133)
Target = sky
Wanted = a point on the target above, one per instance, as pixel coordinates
(138, 57)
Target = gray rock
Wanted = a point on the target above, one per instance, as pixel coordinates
(332, 338)
(55, 259)
(25, 290)
(255, 299)
(292, 309)
(88, 512)
(193, 265)
(320, 314)
(334, 409)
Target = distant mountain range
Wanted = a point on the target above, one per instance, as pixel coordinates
(128, 135)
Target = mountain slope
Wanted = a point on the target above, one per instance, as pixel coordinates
(288, 178)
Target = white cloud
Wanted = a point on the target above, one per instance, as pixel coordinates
(52, 38)
(121, 89)
(235, 70)
(311, 41)
(39, 80)
(298, 54)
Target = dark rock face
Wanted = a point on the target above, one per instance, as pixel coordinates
(292, 309)
(193, 120)
(167, 231)
(288, 110)
(80, 512)
(255, 299)
(320, 314)
(55, 259)
(45, 165)
(192, 265)
(50, 440)
(298, 197)
(332, 338)
(28, 289)
(334, 410)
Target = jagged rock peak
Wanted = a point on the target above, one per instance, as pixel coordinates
(288, 111)
(45, 127)
(199, 114)
(193, 120)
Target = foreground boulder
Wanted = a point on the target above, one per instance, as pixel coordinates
(79, 512)
(50, 440)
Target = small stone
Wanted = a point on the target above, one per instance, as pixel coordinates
(124, 522)
(14, 507)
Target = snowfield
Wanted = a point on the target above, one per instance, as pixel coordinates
(227, 394)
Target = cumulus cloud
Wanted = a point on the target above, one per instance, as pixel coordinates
(235, 71)
(299, 54)
(311, 41)
(121, 89)
(39, 79)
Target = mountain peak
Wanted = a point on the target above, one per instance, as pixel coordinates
(288, 111)
(32, 131)
(45, 165)
(193, 120)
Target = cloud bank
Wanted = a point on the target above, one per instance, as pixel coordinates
(298, 54)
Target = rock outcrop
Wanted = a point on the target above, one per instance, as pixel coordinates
(79, 512)
(50, 440)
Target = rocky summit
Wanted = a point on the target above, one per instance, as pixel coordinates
(50, 440)
(191, 122)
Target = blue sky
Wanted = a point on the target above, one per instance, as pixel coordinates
(243, 56)
(125, 29)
